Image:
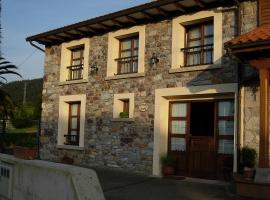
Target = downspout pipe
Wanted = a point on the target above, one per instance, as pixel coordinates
(34, 45)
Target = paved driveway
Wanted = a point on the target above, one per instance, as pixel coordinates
(119, 185)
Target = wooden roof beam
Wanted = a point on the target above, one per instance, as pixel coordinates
(147, 15)
(180, 7)
(72, 34)
(104, 26)
(162, 11)
(131, 19)
(200, 3)
(117, 23)
(58, 37)
(86, 33)
(91, 29)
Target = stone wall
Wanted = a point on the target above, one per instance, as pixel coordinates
(127, 145)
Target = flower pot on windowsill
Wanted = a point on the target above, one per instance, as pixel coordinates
(27, 153)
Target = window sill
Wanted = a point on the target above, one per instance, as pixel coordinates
(194, 68)
(123, 119)
(124, 76)
(70, 147)
(73, 82)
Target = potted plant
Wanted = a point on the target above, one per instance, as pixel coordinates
(124, 115)
(27, 149)
(168, 165)
(248, 156)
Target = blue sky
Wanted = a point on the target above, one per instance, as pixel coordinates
(23, 18)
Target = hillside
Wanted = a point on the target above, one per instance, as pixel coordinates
(33, 91)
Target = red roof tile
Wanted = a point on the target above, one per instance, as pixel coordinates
(259, 34)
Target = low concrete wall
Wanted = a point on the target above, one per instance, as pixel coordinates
(41, 180)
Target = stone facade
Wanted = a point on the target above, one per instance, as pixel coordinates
(127, 145)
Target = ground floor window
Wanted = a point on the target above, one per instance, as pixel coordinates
(71, 121)
(73, 135)
(200, 134)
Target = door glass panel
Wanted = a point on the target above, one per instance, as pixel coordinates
(179, 110)
(225, 147)
(178, 127)
(225, 108)
(225, 127)
(178, 144)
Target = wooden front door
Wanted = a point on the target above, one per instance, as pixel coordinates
(202, 151)
(201, 136)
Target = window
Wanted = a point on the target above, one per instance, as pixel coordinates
(123, 106)
(128, 55)
(74, 61)
(126, 105)
(197, 41)
(77, 62)
(71, 121)
(72, 138)
(226, 127)
(199, 44)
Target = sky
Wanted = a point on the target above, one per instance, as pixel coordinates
(23, 18)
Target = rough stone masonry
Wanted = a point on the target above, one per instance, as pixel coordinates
(128, 145)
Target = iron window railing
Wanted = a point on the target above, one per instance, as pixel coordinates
(72, 140)
(75, 72)
(127, 65)
(198, 55)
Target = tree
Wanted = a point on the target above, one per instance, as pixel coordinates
(6, 68)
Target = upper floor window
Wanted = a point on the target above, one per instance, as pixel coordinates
(197, 41)
(74, 61)
(199, 44)
(75, 70)
(128, 55)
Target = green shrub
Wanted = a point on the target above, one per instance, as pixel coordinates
(124, 115)
(168, 160)
(19, 139)
(23, 117)
(248, 156)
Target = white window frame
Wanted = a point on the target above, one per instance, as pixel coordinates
(113, 50)
(64, 102)
(118, 104)
(179, 38)
(66, 58)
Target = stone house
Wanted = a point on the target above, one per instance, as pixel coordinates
(125, 88)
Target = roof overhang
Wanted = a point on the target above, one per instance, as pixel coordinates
(249, 47)
(149, 12)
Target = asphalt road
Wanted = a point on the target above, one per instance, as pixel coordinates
(120, 185)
